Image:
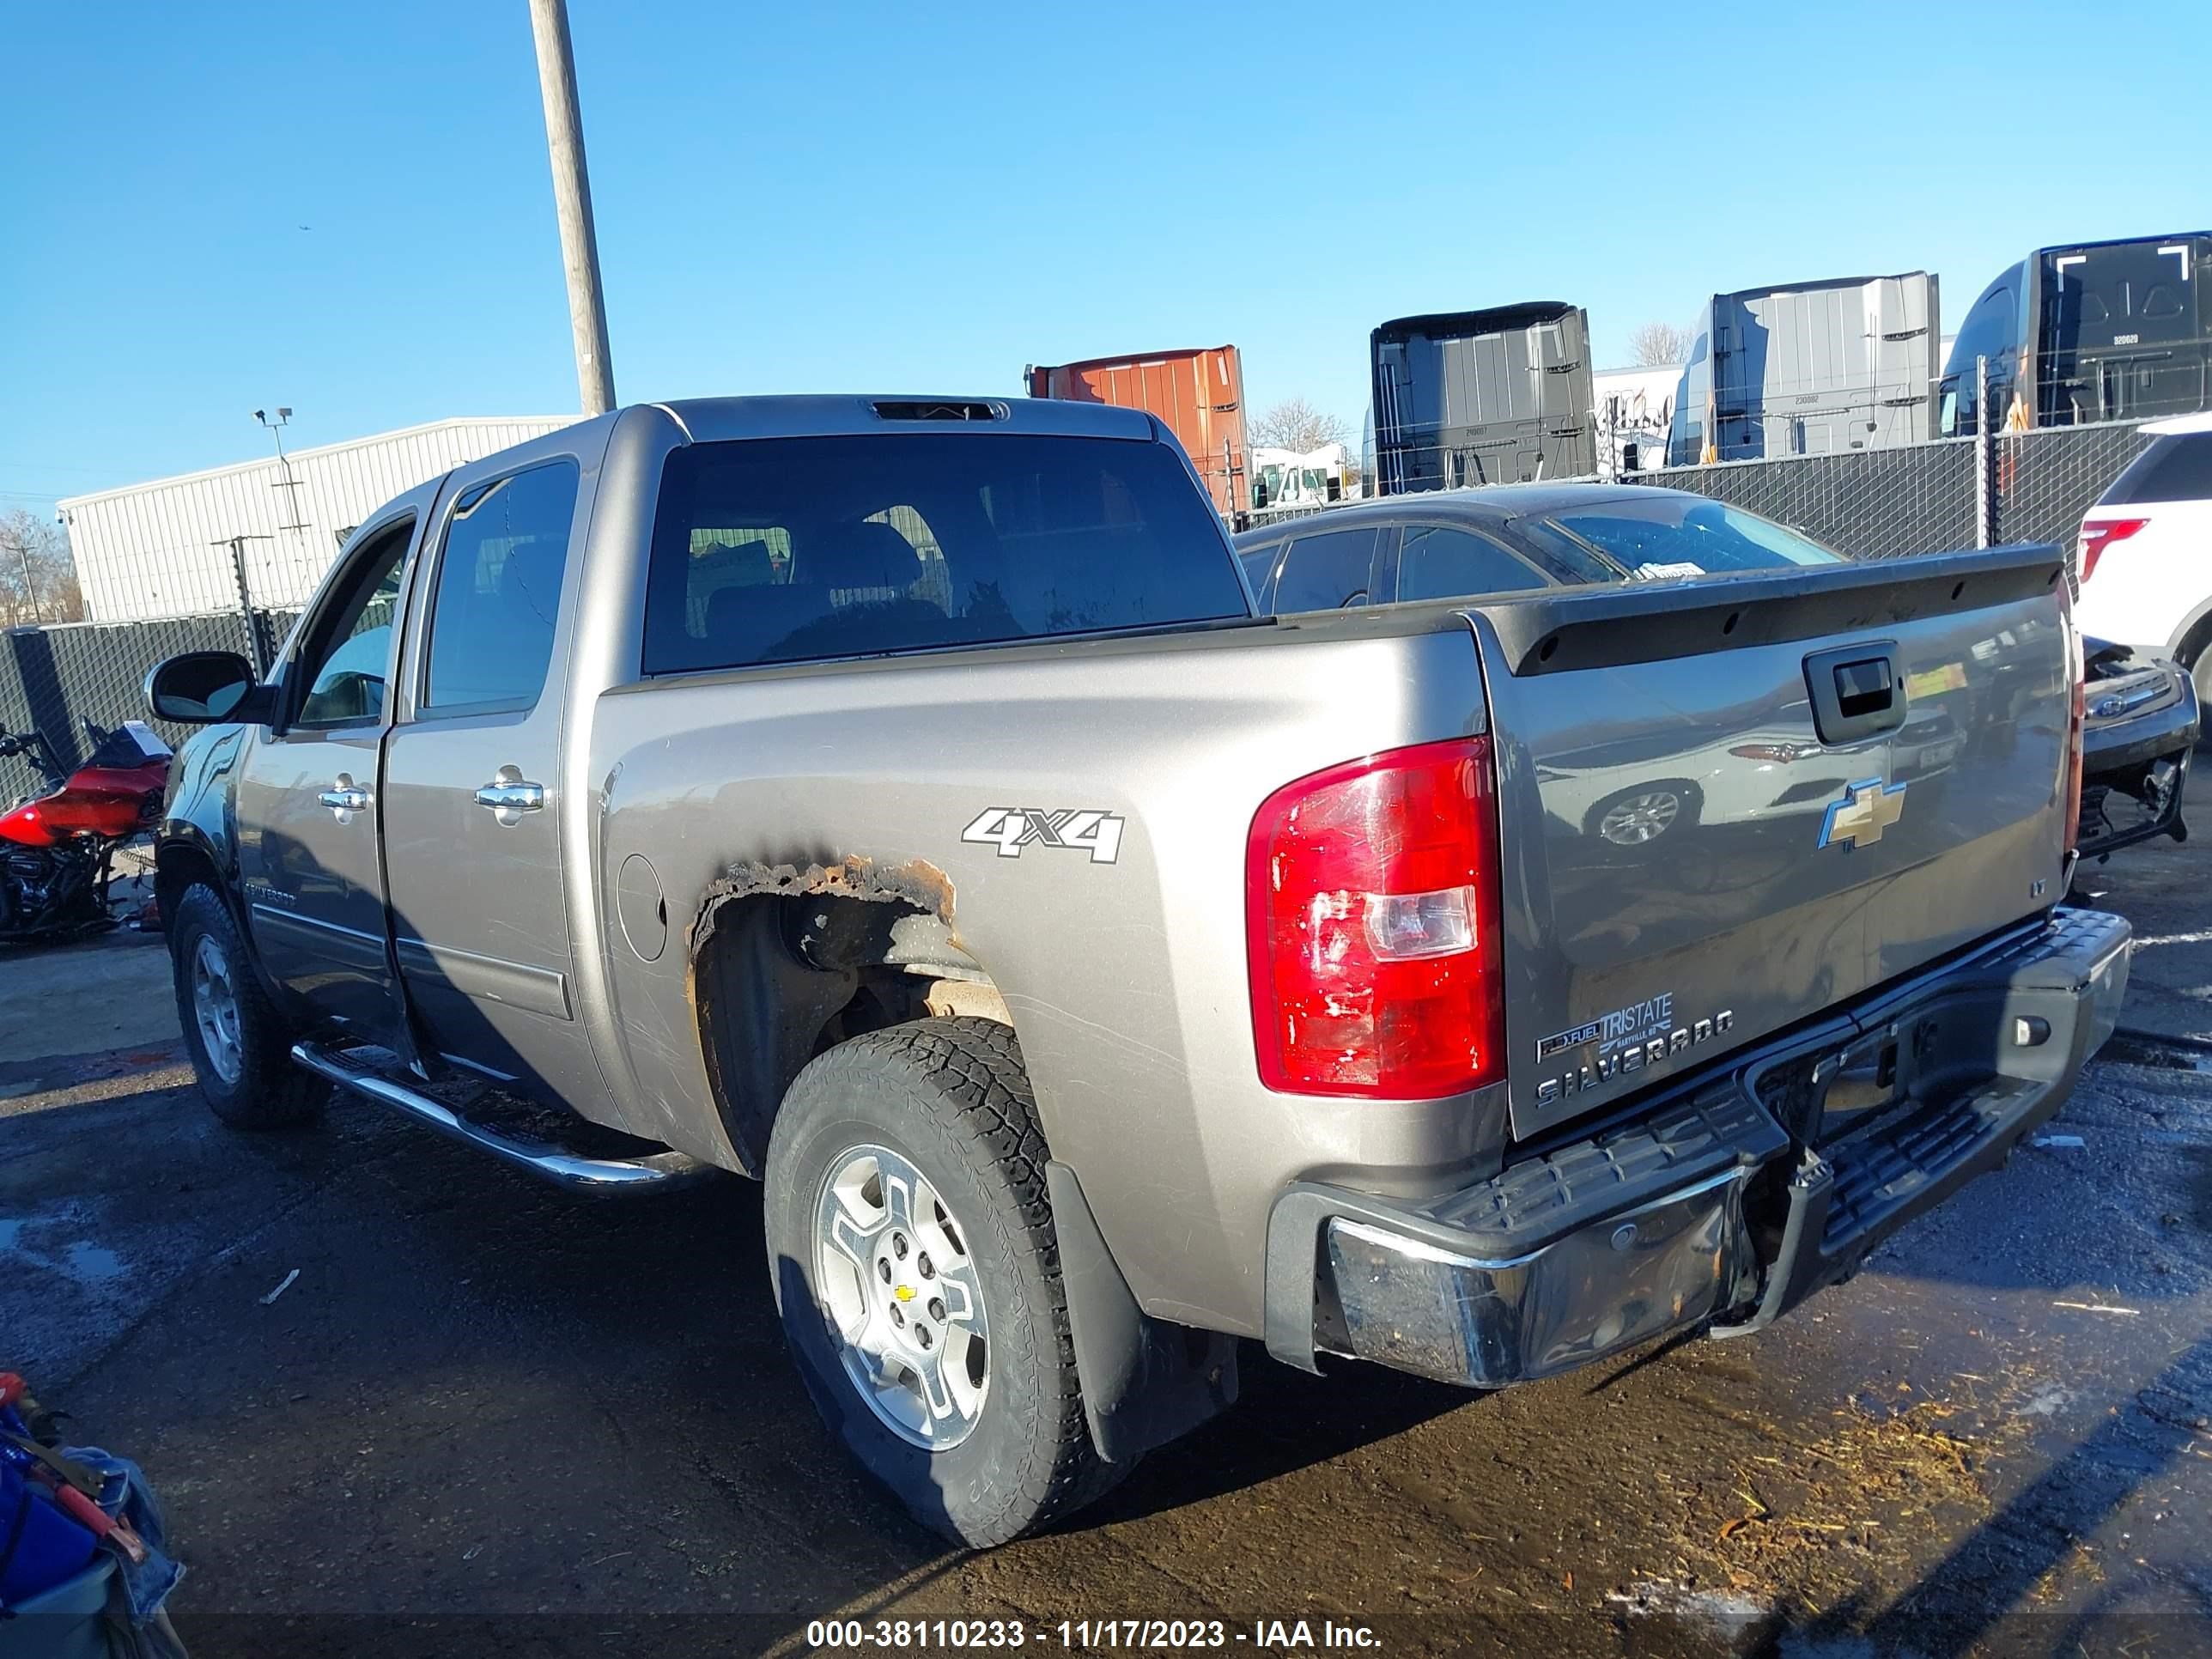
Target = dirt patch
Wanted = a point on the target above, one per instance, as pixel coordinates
(1830, 1516)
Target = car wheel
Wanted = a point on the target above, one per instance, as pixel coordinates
(917, 1276)
(1638, 816)
(241, 1046)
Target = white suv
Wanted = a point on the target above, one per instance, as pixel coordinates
(2145, 556)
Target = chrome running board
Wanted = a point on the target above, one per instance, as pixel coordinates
(656, 1171)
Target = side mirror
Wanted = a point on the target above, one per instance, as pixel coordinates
(208, 688)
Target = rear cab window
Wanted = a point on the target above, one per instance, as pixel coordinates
(1667, 535)
(795, 549)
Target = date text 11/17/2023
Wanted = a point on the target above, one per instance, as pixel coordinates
(1264, 1635)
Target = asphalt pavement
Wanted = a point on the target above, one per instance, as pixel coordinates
(485, 1418)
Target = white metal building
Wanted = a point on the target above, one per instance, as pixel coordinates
(163, 549)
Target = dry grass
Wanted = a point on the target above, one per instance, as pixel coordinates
(1839, 1513)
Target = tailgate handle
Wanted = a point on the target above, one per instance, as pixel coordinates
(1857, 691)
(1863, 687)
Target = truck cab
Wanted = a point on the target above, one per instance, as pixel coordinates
(2091, 331)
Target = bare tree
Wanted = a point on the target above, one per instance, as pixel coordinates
(38, 579)
(1657, 344)
(1294, 424)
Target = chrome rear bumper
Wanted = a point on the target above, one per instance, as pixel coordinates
(1732, 1198)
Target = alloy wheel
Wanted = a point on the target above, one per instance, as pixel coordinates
(903, 1297)
(1641, 819)
(215, 1009)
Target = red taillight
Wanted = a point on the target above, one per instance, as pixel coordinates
(2097, 534)
(1371, 917)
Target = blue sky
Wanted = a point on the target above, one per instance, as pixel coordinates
(829, 197)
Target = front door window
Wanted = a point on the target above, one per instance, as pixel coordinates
(347, 660)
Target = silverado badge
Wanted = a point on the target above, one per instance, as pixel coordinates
(1867, 809)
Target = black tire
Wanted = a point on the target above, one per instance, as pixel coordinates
(951, 1097)
(269, 1091)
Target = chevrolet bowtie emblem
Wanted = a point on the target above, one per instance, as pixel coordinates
(1866, 810)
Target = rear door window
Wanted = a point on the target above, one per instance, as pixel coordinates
(1326, 571)
(498, 590)
(1442, 561)
(2176, 467)
(793, 549)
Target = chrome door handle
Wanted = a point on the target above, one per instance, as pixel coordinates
(345, 798)
(509, 795)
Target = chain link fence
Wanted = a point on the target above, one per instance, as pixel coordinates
(1915, 498)
(2042, 483)
(1920, 498)
(1870, 504)
(53, 679)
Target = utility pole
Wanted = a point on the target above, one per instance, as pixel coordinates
(30, 589)
(572, 203)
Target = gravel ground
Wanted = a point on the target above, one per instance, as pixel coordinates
(487, 1419)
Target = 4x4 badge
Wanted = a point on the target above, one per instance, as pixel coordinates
(1867, 809)
(1010, 828)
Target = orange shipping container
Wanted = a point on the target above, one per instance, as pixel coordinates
(1199, 395)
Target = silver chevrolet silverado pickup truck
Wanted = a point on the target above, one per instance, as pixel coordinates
(898, 801)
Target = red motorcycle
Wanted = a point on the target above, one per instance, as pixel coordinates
(58, 848)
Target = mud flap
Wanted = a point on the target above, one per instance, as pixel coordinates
(1145, 1382)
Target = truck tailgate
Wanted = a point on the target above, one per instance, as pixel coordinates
(1695, 854)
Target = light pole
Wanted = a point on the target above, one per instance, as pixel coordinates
(572, 203)
(290, 519)
(276, 426)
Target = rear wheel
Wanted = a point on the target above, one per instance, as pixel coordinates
(241, 1046)
(917, 1273)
